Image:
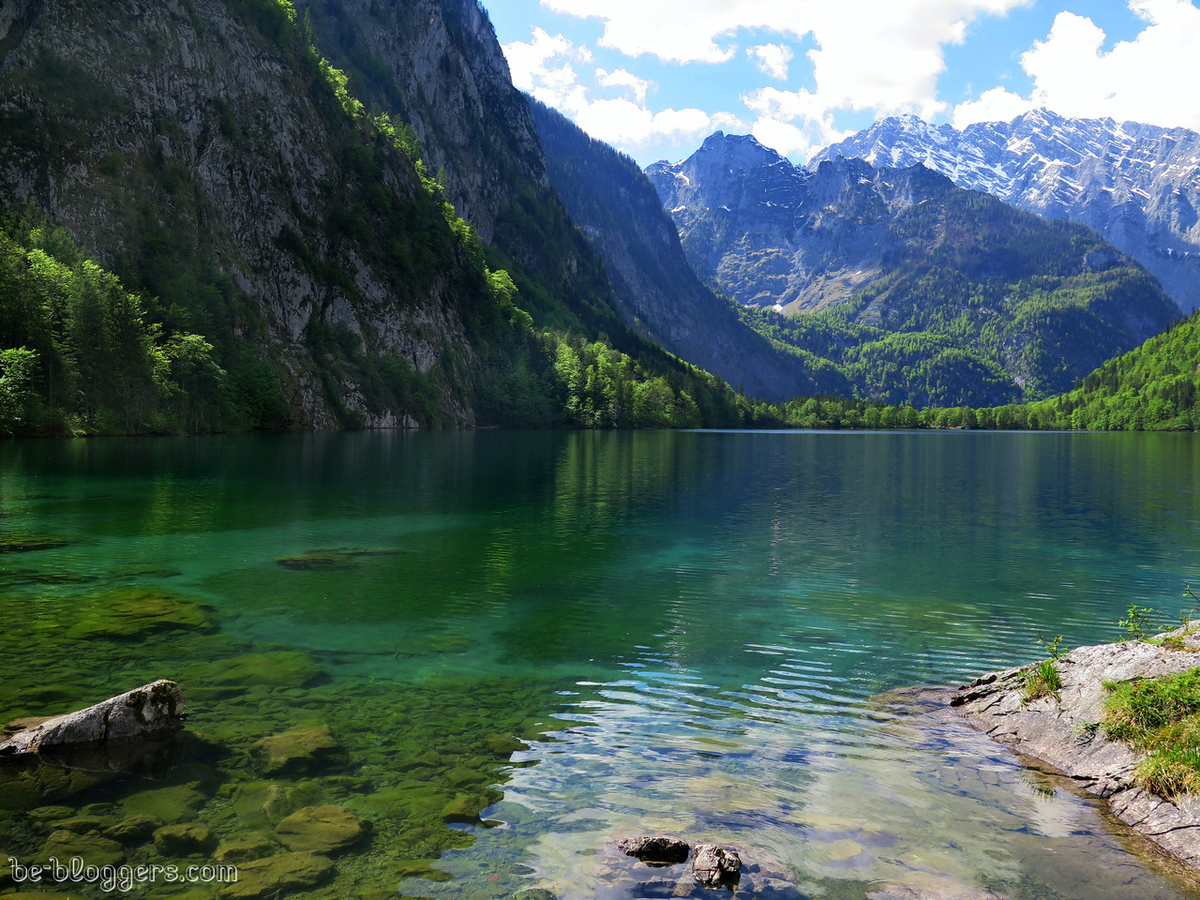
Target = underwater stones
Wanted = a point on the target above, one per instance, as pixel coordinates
(132, 612)
(929, 887)
(28, 543)
(94, 849)
(299, 751)
(715, 867)
(29, 782)
(321, 829)
(254, 845)
(152, 711)
(144, 570)
(270, 877)
(22, 724)
(83, 824)
(504, 745)
(655, 851)
(261, 803)
(184, 840)
(169, 804)
(464, 809)
(133, 829)
(328, 559)
(282, 667)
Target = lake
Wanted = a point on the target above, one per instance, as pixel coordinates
(516, 648)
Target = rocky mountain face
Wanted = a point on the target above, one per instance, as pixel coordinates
(201, 151)
(437, 65)
(286, 210)
(769, 233)
(920, 291)
(1138, 185)
(657, 291)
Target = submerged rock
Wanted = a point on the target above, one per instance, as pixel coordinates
(184, 840)
(28, 543)
(136, 611)
(716, 867)
(280, 668)
(327, 559)
(275, 875)
(321, 829)
(299, 751)
(655, 851)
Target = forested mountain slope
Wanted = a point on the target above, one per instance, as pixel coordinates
(923, 293)
(239, 189)
(657, 292)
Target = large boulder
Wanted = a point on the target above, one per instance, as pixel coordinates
(655, 851)
(149, 713)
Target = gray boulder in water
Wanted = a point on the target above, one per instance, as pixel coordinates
(715, 867)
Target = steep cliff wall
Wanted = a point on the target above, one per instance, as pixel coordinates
(199, 149)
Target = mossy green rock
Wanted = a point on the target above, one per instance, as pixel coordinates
(270, 877)
(133, 829)
(255, 845)
(170, 804)
(184, 840)
(28, 543)
(136, 611)
(84, 824)
(93, 849)
(321, 829)
(260, 803)
(299, 751)
(31, 784)
(327, 559)
(283, 667)
(464, 808)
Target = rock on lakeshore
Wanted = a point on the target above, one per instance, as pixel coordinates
(151, 712)
(1064, 732)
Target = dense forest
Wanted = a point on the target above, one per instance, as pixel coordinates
(979, 304)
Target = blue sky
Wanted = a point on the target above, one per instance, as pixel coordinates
(655, 77)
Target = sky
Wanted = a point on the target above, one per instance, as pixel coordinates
(655, 77)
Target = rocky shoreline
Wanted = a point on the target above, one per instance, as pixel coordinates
(1063, 733)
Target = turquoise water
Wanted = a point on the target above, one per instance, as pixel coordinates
(687, 631)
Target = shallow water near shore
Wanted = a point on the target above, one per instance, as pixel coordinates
(525, 646)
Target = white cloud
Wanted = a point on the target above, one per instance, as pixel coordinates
(879, 56)
(545, 66)
(772, 59)
(622, 78)
(1146, 79)
(995, 105)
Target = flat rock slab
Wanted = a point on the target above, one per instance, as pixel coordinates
(276, 875)
(299, 751)
(1063, 732)
(151, 712)
(321, 829)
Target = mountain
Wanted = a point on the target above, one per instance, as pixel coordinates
(1138, 185)
(199, 182)
(657, 291)
(920, 291)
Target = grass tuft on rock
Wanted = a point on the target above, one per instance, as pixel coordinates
(1043, 680)
(1161, 717)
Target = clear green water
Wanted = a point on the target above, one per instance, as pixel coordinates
(688, 631)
